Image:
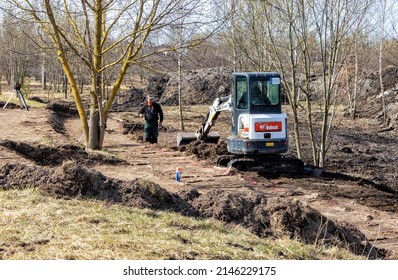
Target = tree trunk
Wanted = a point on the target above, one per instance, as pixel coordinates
(294, 92)
(94, 128)
(179, 92)
(97, 122)
(65, 86)
(384, 6)
(356, 74)
(43, 72)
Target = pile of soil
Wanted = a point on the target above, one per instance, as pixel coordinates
(37, 99)
(275, 217)
(9, 105)
(262, 215)
(135, 97)
(74, 180)
(60, 111)
(64, 109)
(201, 86)
(370, 101)
(157, 86)
(206, 151)
(129, 100)
(52, 156)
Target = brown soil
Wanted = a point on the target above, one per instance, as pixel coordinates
(354, 204)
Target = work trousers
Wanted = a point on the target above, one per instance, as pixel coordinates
(151, 132)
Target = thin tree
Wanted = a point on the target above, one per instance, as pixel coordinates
(335, 21)
(381, 60)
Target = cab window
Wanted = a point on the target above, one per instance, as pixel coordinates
(265, 92)
(273, 92)
(259, 94)
(241, 93)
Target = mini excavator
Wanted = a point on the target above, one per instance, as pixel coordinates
(259, 127)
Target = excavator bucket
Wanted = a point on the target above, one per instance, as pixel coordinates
(184, 138)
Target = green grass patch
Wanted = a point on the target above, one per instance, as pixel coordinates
(5, 96)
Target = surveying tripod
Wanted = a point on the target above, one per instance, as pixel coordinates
(22, 102)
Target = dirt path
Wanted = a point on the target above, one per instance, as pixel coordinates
(369, 205)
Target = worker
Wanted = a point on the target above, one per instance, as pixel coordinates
(242, 103)
(258, 97)
(153, 114)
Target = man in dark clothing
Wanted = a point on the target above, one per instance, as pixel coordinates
(153, 115)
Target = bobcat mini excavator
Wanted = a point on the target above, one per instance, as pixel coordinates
(259, 128)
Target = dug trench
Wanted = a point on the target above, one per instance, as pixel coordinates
(315, 210)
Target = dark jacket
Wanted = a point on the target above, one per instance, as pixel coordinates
(153, 113)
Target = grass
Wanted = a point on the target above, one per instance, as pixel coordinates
(5, 96)
(35, 226)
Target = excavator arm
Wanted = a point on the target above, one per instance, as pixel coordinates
(220, 104)
(203, 133)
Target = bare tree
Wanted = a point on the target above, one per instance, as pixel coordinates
(182, 36)
(335, 21)
(104, 35)
(244, 35)
(14, 46)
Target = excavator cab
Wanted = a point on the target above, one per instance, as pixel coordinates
(258, 124)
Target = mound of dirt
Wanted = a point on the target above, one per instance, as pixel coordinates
(198, 87)
(275, 217)
(37, 99)
(45, 155)
(134, 97)
(74, 180)
(63, 109)
(370, 102)
(206, 151)
(157, 86)
(57, 122)
(60, 110)
(128, 100)
(9, 105)
(263, 216)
